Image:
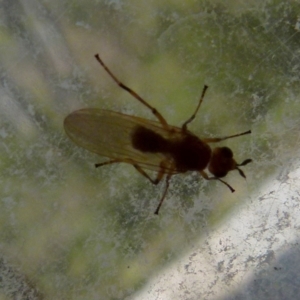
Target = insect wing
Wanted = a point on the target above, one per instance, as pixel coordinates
(108, 133)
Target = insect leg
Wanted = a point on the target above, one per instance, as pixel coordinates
(205, 176)
(116, 160)
(134, 94)
(164, 194)
(158, 178)
(184, 126)
(216, 140)
(111, 161)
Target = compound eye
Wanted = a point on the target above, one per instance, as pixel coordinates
(222, 162)
(226, 152)
(220, 173)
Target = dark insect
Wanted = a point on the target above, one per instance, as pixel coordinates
(150, 145)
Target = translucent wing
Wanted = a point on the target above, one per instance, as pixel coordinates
(108, 133)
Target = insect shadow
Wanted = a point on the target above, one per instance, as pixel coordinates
(151, 145)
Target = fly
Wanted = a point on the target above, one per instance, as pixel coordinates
(151, 145)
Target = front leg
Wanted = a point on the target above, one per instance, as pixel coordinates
(205, 176)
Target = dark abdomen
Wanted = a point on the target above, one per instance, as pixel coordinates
(189, 153)
(146, 140)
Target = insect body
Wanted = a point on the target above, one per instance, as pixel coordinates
(148, 144)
